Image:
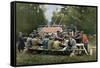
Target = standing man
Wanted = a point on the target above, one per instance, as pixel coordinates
(72, 28)
(21, 43)
(85, 41)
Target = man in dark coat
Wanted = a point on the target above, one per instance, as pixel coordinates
(21, 43)
(45, 42)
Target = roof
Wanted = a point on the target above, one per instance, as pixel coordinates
(51, 29)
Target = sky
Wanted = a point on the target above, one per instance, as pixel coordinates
(50, 10)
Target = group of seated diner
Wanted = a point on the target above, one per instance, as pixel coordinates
(58, 41)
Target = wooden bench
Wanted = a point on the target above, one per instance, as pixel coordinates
(81, 48)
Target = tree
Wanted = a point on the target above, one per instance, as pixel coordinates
(81, 16)
(28, 17)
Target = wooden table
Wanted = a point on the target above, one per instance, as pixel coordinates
(81, 48)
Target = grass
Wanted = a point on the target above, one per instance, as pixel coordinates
(27, 59)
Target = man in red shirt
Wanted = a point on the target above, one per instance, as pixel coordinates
(85, 41)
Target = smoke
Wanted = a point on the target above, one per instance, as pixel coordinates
(50, 10)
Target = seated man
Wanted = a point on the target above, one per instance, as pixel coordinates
(50, 43)
(56, 44)
(35, 43)
(45, 42)
(71, 45)
(29, 42)
(65, 43)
